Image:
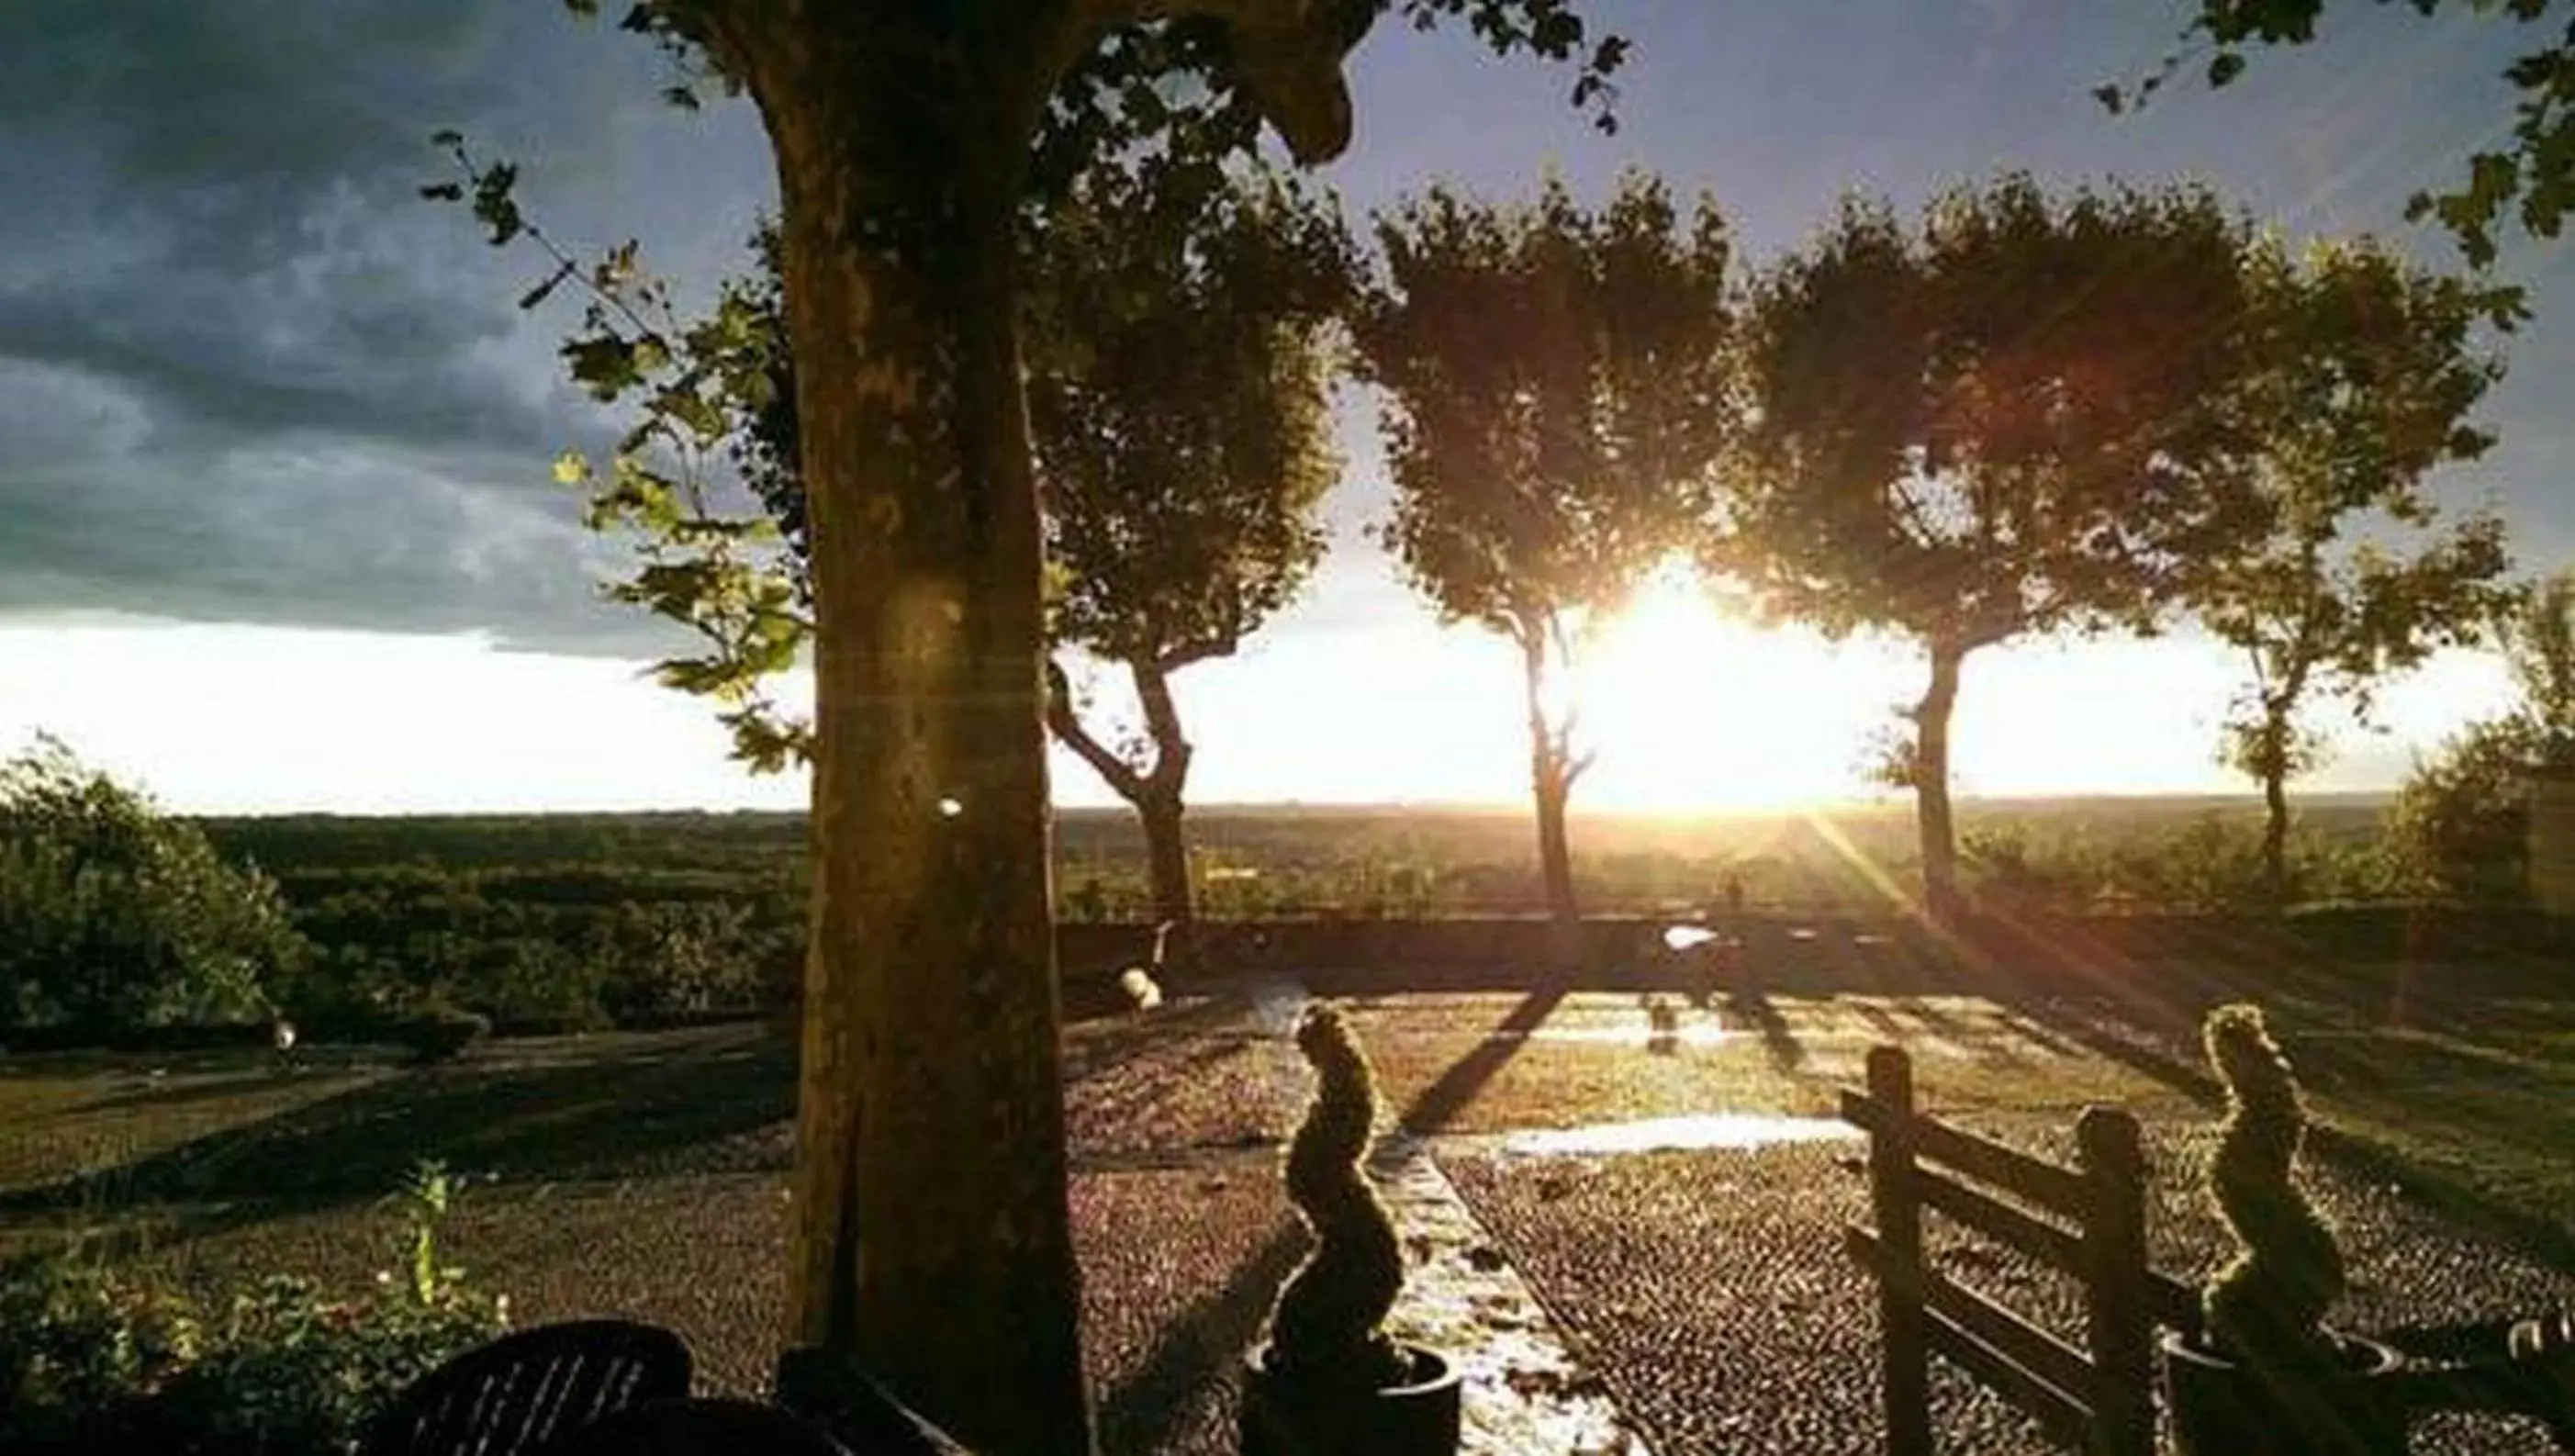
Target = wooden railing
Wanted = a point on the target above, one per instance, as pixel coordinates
(2087, 1222)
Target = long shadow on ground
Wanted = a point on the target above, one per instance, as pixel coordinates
(1143, 1411)
(1440, 1102)
(1748, 1004)
(604, 1116)
(592, 1112)
(2164, 1048)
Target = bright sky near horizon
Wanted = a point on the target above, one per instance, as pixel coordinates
(275, 529)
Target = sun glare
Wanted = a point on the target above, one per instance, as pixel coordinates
(1694, 709)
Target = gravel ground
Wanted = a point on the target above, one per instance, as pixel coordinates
(1712, 1291)
(1486, 1063)
(642, 1175)
(1179, 1266)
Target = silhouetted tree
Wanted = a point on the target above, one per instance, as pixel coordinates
(907, 138)
(1180, 409)
(2533, 173)
(1997, 426)
(2360, 373)
(1555, 410)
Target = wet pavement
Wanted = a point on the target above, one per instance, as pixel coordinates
(1623, 1211)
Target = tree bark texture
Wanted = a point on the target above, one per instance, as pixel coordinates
(931, 1234)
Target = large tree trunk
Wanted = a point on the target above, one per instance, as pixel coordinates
(1552, 783)
(1933, 817)
(929, 1232)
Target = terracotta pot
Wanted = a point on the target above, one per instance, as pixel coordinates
(2222, 1408)
(1287, 1416)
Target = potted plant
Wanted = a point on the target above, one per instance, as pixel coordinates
(1328, 1380)
(2267, 1377)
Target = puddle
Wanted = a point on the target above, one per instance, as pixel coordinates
(1686, 937)
(1696, 1133)
(1526, 1391)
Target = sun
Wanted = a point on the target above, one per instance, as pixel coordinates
(1692, 709)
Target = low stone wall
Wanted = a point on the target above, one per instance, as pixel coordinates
(2520, 953)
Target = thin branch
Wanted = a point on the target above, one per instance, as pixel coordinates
(1068, 729)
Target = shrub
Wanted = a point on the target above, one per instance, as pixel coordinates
(2266, 1309)
(2459, 829)
(114, 916)
(1326, 1327)
(93, 1358)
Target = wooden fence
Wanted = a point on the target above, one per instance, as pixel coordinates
(2087, 1222)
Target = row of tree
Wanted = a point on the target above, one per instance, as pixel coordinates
(2019, 414)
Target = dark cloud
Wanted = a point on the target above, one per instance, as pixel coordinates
(246, 374)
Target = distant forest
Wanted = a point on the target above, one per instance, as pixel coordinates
(1299, 860)
(586, 919)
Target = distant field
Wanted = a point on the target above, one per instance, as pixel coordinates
(1263, 859)
(572, 922)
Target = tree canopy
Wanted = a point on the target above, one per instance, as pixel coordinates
(1999, 424)
(2460, 825)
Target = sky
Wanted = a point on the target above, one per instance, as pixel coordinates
(278, 532)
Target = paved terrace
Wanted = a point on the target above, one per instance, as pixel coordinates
(1624, 1219)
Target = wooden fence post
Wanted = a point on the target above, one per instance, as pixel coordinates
(2121, 1325)
(1900, 1227)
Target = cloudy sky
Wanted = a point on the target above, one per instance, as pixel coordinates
(277, 531)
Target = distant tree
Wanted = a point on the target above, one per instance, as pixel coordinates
(2460, 826)
(114, 916)
(1555, 409)
(1179, 412)
(2361, 373)
(907, 139)
(2533, 173)
(1999, 425)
